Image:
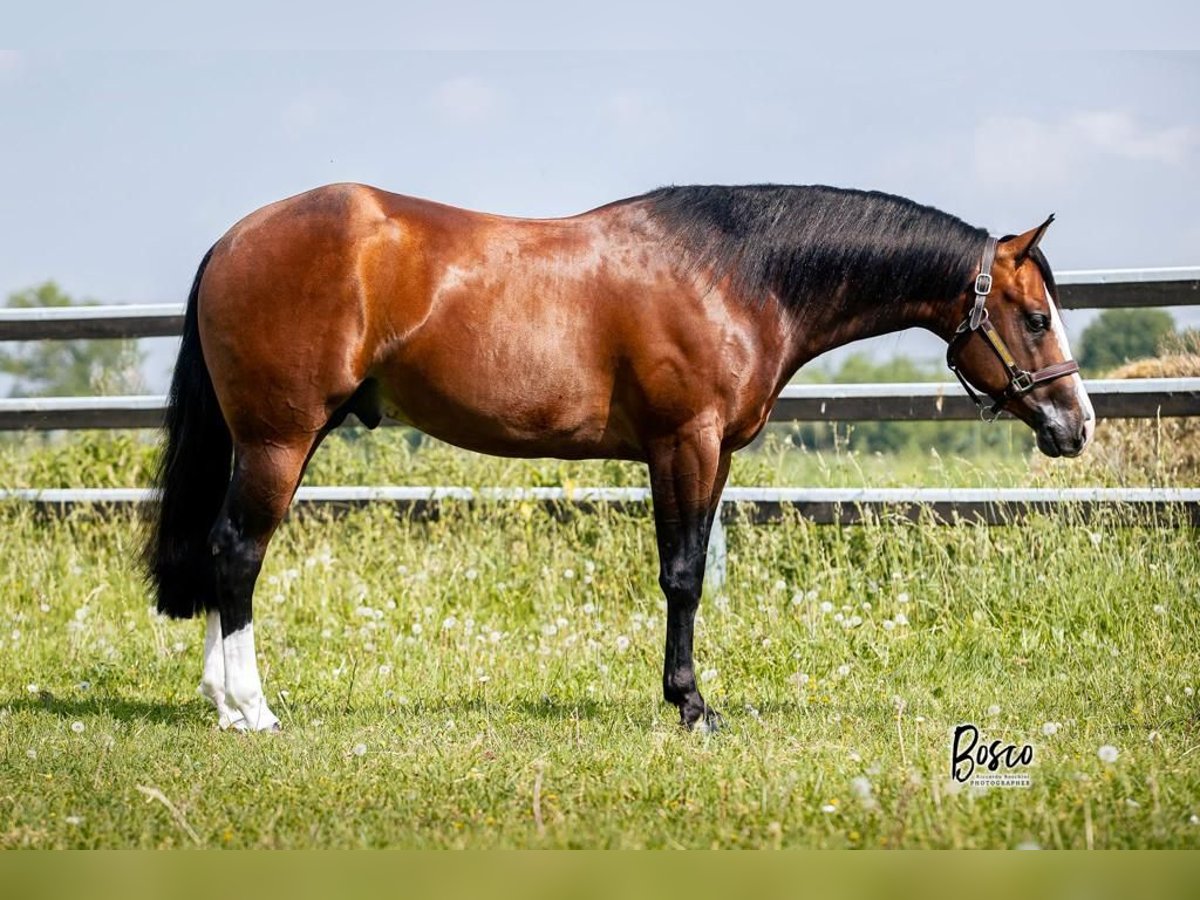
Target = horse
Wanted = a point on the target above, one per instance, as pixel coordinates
(659, 328)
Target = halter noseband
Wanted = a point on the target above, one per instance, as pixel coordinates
(1020, 381)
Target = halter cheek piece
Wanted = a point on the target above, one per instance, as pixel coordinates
(1020, 381)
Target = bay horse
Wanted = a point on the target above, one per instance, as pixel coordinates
(659, 328)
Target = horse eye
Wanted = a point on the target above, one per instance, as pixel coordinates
(1038, 322)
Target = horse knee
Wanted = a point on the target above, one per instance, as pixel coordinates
(681, 584)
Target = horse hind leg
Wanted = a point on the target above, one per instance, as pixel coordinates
(265, 478)
(212, 682)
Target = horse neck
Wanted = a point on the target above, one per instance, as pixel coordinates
(819, 327)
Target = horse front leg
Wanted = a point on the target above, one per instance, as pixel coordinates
(687, 474)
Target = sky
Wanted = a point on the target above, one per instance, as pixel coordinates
(118, 168)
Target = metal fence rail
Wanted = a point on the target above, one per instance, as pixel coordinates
(1136, 398)
(847, 506)
(1080, 289)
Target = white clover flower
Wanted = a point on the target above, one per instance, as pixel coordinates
(826, 607)
(31, 753)
(385, 670)
(32, 688)
(84, 685)
(1049, 729)
(589, 567)
(569, 574)
(1160, 609)
(855, 621)
(888, 624)
(44, 607)
(416, 628)
(1188, 691)
(622, 643)
(866, 605)
(549, 629)
(828, 808)
(449, 622)
(589, 608)
(1095, 537)
(470, 574)
(708, 674)
(801, 678)
(993, 710)
(73, 820)
(1108, 753)
(359, 749)
(797, 598)
(838, 617)
(77, 727)
(780, 585)
(843, 670)
(484, 679)
(901, 619)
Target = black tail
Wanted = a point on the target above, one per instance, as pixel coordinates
(193, 474)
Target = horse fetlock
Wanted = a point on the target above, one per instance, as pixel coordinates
(255, 714)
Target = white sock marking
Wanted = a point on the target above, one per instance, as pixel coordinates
(212, 682)
(243, 688)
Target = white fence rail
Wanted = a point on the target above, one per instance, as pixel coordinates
(1079, 289)
(1136, 398)
(1090, 289)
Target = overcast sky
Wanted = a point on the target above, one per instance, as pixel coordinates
(118, 169)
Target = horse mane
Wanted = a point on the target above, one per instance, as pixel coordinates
(807, 243)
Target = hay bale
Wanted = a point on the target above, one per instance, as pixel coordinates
(1161, 452)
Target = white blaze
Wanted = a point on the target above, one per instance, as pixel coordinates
(1081, 396)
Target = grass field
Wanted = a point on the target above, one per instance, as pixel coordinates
(492, 679)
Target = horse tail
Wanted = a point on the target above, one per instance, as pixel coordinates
(191, 480)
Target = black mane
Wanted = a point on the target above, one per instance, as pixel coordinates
(806, 243)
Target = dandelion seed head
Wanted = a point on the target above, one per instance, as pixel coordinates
(77, 727)
(1108, 754)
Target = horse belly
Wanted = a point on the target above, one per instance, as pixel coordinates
(505, 401)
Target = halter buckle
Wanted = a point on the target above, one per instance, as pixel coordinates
(1022, 382)
(983, 283)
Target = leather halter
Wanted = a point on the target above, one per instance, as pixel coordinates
(1020, 381)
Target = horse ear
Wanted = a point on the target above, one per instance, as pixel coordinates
(1020, 246)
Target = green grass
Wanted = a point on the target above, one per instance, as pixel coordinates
(435, 678)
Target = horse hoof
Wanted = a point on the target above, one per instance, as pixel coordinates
(707, 721)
